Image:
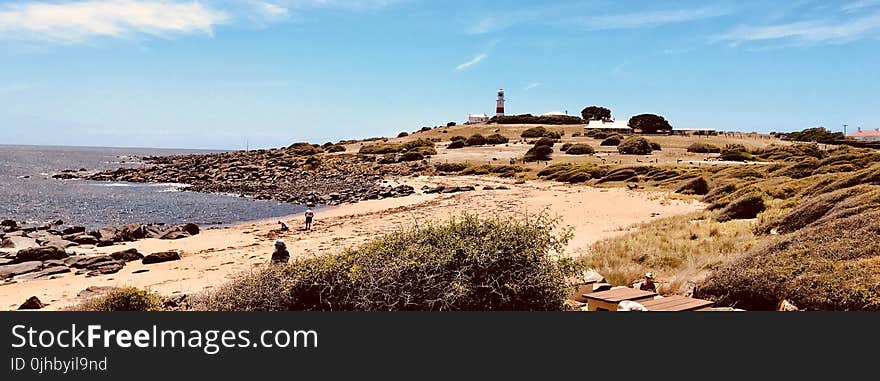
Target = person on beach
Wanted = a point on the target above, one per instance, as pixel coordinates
(280, 256)
(648, 284)
(284, 227)
(309, 215)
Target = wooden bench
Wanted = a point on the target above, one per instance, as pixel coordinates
(608, 300)
(677, 303)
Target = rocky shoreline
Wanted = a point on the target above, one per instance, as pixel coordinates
(280, 174)
(46, 251)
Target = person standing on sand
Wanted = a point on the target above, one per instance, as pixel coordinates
(309, 215)
(280, 256)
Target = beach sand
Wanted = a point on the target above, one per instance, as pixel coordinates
(218, 254)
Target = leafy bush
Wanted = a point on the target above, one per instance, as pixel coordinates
(458, 137)
(553, 135)
(538, 153)
(698, 186)
(531, 119)
(612, 140)
(816, 210)
(746, 206)
(496, 139)
(571, 173)
(125, 299)
(425, 151)
(634, 145)
(817, 134)
(576, 134)
(411, 156)
(303, 149)
(580, 149)
(599, 134)
(830, 266)
(388, 158)
(595, 113)
(649, 124)
(403, 134)
(456, 144)
(655, 146)
(463, 264)
(475, 140)
(735, 152)
(379, 149)
(565, 147)
(336, 148)
(545, 142)
(450, 124)
(703, 148)
(534, 132)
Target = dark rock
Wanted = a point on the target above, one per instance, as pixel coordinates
(32, 303)
(127, 255)
(85, 239)
(9, 224)
(43, 253)
(46, 272)
(73, 230)
(450, 190)
(138, 271)
(163, 256)
(9, 271)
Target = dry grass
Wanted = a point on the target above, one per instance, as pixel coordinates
(677, 249)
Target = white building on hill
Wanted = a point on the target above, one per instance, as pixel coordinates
(477, 118)
(865, 135)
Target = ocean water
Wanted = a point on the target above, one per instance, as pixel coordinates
(29, 194)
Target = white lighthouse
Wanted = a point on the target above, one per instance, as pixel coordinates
(499, 104)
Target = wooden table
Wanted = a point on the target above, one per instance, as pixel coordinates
(608, 300)
(676, 303)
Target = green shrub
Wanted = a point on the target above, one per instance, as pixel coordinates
(388, 158)
(458, 137)
(531, 119)
(703, 148)
(553, 135)
(475, 140)
(545, 142)
(468, 264)
(655, 146)
(379, 149)
(595, 113)
(612, 140)
(302, 149)
(534, 132)
(649, 124)
(496, 139)
(634, 145)
(580, 149)
(830, 266)
(403, 134)
(698, 186)
(456, 144)
(125, 299)
(598, 134)
(538, 153)
(571, 173)
(425, 151)
(746, 206)
(411, 156)
(735, 152)
(841, 203)
(565, 147)
(336, 148)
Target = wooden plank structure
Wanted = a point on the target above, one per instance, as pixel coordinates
(676, 303)
(608, 300)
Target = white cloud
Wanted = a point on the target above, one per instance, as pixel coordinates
(650, 19)
(807, 32)
(859, 5)
(78, 21)
(533, 85)
(472, 62)
(272, 11)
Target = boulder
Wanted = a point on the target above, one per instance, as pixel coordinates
(43, 253)
(95, 291)
(73, 230)
(46, 272)
(127, 255)
(9, 224)
(162, 256)
(18, 242)
(85, 239)
(32, 303)
(9, 271)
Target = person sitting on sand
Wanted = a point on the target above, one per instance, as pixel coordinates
(648, 284)
(280, 256)
(284, 227)
(309, 215)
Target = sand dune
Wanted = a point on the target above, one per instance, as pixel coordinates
(217, 254)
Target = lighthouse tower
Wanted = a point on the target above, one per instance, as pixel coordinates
(499, 104)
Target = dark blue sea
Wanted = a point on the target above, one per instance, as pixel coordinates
(29, 194)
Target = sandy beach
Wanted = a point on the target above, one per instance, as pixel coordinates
(218, 254)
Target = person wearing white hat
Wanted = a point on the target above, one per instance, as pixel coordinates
(280, 256)
(648, 284)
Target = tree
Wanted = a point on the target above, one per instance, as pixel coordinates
(595, 113)
(650, 124)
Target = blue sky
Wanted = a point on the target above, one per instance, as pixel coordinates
(215, 74)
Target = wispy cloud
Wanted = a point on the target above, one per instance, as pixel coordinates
(533, 85)
(650, 19)
(472, 62)
(860, 5)
(271, 11)
(806, 32)
(77, 21)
